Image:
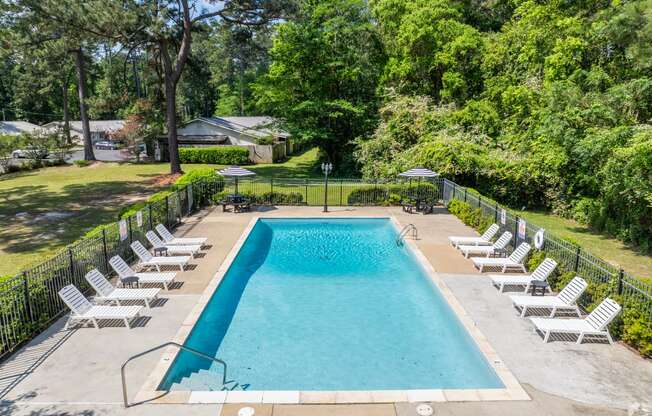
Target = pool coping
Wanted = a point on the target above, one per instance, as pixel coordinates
(148, 392)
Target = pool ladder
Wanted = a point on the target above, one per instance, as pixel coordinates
(226, 385)
(408, 229)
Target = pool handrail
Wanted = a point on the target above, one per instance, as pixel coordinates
(125, 398)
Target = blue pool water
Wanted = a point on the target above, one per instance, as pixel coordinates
(313, 304)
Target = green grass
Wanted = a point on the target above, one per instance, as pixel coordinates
(600, 245)
(42, 211)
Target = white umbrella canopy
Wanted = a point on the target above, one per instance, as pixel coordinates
(235, 172)
(419, 173)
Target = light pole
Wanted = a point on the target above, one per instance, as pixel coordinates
(326, 168)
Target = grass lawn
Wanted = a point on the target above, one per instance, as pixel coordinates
(605, 247)
(43, 210)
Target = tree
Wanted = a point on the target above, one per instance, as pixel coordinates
(56, 23)
(323, 76)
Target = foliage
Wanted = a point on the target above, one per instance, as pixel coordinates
(8, 143)
(324, 71)
(222, 155)
(265, 140)
(265, 198)
(81, 163)
(196, 175)
(393, 194)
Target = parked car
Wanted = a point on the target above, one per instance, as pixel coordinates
(30, 152)
(106, 145)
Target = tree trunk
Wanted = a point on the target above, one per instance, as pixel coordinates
(81, 88)
(171, 118)
(66, 112)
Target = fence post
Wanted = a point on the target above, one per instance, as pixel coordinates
(496, 213)
(516, 219)
(341, 191)
(271, 188)
(621, 274)
(307, 191)
(188, 199)
(479, 200)
(465, 190)
(72, 263)
(131, 237)
(167, 210)
(106, 252)
(149, 207)
(28, 304)
(577, 259)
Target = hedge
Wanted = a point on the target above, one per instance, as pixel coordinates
(393, 194)
(221, 155)
(266, 198)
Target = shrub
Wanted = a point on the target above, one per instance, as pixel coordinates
(132, 209)
(535, 259)
(266, 198)
(81, 163)
(222, 155)
(393, 194)
(266, 140)
(197, 174)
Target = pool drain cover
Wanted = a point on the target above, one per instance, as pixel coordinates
(246, 411)
(425, 410)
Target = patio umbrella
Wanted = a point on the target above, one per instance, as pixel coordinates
(235, 172)
(418, 173)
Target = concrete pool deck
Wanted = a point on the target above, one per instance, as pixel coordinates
(77, 372)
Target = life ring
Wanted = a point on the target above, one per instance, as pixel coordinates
(539, 239)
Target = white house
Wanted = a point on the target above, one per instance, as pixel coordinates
(265, 141)
(14, 128)
(100, 129)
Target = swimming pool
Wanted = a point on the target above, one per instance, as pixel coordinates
(330, 304)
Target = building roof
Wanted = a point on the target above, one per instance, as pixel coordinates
(95, 125)
(253, 126)
(17, 127)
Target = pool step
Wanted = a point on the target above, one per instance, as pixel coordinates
(204, 380)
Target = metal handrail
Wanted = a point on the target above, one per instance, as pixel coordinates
(125, 397)
(404, 231)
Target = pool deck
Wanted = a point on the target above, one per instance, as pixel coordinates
(77, 372)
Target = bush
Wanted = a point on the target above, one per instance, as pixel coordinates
(222, 155)
(266, 198)
(82, 163)
(132, 209)
(197, 174)
(266, 140)
(393, 194)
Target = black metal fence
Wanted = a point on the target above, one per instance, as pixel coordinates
(29, 302)
(571, 256)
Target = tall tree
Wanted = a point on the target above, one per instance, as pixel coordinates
(323, 75)
(41, 23)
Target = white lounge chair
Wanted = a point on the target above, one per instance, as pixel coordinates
(594, 324)
(147, 260)
(565, 300)
(514, 261)
(122, 268)
(186, 241)
(483, 240)
(542, 272)
(157, 243)
(106, 292)
(500, 244)
(82, 310)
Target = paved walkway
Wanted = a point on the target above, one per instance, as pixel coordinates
(77, 372)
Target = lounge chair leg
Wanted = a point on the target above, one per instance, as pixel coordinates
(577, 309)
(158, 268)
(127, 323)
(95, 323)
(523, 311)
(580, 338)
(552, 313)
(611, 341)
(546, 337)
(65, 327)
(147, 303)
(502, 287)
